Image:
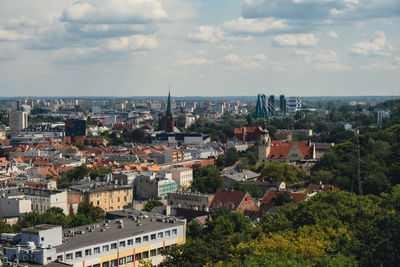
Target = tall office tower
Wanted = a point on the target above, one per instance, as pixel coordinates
(293, 103)
(169, 120)
(261, 107)
(18, 120)
(75, 127)
(271, 106)
(282, 104)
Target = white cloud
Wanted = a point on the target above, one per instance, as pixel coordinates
(329, 56)
(206, 34)
(295, 40)
(331, 67)
(134, 42)
(332, 34)
(6, 35)
(379, 46)
(254, 26)
(116, 11)
(255, 62)
(195, 61)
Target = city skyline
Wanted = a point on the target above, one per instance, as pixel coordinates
(203, 48)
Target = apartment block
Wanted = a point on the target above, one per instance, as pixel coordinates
(111, 243)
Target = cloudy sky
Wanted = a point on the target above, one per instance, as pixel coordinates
(200, 47)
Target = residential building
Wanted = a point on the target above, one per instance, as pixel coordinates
(154, 185)
(107, 196)
(247, 133)
(293, 104)
(41, 199)
(18, 120)
(111, 243)
(238, 201)
(268, 200)
(75, 127)
(192, 200)
(233, 176)
(183, 176)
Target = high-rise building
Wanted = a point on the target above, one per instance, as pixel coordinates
(271, 106)
(282, 104)
(293, 103)
(18, 120)
(261, 107)
(75, 127)
(169, 114)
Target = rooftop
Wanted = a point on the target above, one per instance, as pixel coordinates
(38, 228)
(134, 223)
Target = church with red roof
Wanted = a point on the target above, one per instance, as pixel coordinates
(284, 151)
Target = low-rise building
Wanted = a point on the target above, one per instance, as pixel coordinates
(154, 185)
(196, 201)
(105, 195)
(111, 243)
(183, 176)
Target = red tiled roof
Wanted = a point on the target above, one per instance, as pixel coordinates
(279, 149)
(270, 195)
(232, 198)
(306, 149)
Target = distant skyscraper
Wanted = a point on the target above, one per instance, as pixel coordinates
(282, 104)
(169, 114)
(18, 120)
(293, 103)
(261, 107)
(271, 106)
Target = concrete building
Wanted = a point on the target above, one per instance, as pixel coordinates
(41, 199)
(14, 206)
(154, 186)
(18, 120)
(183, 176)
(196, 201)
(233, 176)
(293, 103)
(107, 196)
(111, 243)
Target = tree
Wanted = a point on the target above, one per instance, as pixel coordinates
(277, 171)
(231, 156)
(282, 198)
(252, 189)
(151, 204)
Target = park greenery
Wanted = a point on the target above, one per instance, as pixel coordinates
(330, 229)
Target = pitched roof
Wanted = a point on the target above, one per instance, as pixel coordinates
(279, 149)
(232, 198)
(270, 195)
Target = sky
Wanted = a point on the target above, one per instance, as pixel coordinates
(199, 47)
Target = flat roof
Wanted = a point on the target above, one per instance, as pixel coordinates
(38, 228)
(94, 235)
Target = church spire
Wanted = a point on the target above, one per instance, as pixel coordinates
(169, 106)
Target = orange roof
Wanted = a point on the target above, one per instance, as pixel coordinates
(270, 195)
(279, 149)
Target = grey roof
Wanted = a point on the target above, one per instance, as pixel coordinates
(240, 175)
(98, 187)
(113, 232)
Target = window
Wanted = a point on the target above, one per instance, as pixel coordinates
(118, 199)
(129, 259)
(146, 238)
(137, 240)
(96, 250)
(88, 252)
(114, 246)
(174, 231)
(153, 252)
(122, 261)
(60, 257)
(153, 236)
(78, 254)
(106, 264)
(160, 235)
(114, 263)
(130, 242)
(145, 254)
(69, 256)
(167, 233)
(106, 248)
(42, 238)
(96, 265)
(159, 250)
(138, 257)
(122, 244)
